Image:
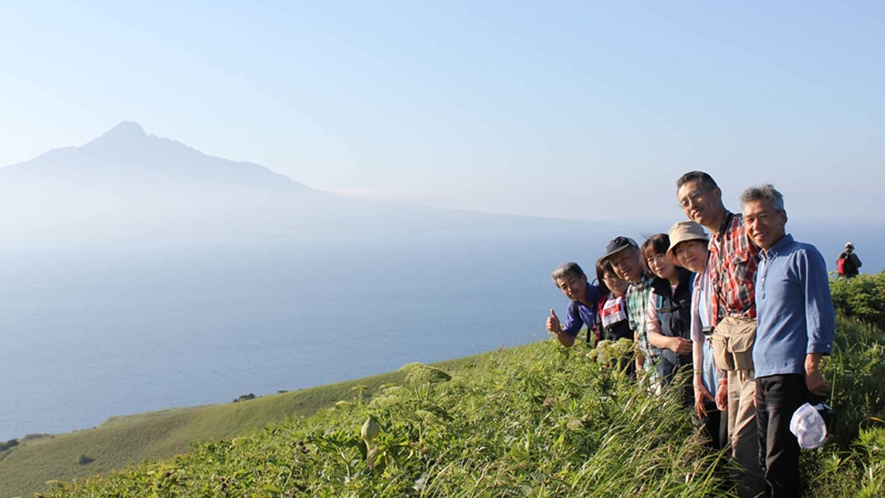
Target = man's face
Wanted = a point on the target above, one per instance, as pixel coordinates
(626, 264)
(573, 287)
(692, 254)
(764, 225)
(701, 205)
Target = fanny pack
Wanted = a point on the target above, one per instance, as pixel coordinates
(733, 340)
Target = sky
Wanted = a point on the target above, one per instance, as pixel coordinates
(587, 110)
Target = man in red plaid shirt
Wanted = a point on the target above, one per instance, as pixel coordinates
(733, 261)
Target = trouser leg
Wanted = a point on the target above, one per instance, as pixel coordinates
(744, 438)
(715, 425)
(778, 397)
(734, 401)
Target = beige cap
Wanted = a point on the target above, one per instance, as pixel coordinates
(683, 231)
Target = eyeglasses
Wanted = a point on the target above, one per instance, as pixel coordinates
(694, 196)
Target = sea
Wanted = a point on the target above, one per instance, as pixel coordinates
(91, 330)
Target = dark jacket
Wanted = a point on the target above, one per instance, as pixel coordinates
(674, 312)
(852, 265)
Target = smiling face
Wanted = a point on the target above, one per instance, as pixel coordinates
(765, 226)
(626, 264)
(700, 204)
(572, 286)
(617, 286)
(661, 266)
(692, 254)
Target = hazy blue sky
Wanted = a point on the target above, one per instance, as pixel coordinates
(523, 107)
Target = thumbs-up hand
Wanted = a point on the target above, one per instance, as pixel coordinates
(553, 323)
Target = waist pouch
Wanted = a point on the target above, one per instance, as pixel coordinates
(733, 341)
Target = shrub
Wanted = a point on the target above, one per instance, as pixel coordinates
(862, 297)
(12, 443)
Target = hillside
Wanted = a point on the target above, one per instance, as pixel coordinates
(535, 420)
(120, 441)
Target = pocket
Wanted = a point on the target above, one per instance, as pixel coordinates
(741, 346)
(740, 263)
(741, 334)
(723, 358)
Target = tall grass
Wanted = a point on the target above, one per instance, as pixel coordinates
(537, 420)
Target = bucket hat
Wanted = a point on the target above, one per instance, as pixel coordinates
(683, 231)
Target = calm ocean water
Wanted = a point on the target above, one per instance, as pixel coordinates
(108, 329)
(93, 332)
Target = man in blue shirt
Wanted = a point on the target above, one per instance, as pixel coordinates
(582, 309)
(796, 323)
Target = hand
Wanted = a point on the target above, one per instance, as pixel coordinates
(815, 382)
(722, 397)
(701, 393)
(680, 346)
(553, 323)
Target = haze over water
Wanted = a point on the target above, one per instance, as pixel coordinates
(146, 328)
(139, 274)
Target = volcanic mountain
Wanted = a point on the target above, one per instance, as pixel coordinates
(131, 184)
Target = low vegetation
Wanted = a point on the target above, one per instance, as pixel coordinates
(27, 463)
(536, 420)
(862, 297)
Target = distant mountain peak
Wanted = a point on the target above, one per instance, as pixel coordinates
(125, 131)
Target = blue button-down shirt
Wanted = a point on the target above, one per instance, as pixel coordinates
(793, 307)
(580, 314)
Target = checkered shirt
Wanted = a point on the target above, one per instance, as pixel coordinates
(637, 300)
(733, 263)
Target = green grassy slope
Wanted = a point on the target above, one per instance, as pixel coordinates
(157, 435)
(536, 420)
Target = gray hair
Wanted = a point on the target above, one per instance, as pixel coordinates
(765, 193)
(567, 269)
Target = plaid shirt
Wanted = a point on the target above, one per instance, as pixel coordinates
(637, 300)
(733, 263)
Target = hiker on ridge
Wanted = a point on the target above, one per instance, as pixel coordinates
(796, 327)
(624, 256)
(688, 247)
(612, 321)
(668, 312)
(584, 301)
(848, 263)
(732, 263)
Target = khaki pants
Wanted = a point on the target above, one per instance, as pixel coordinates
(742, 432)
(733, 341)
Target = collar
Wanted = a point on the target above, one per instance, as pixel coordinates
(644, 281)
(726, 222)
(587, 293)
(663, 284)
(778, 248)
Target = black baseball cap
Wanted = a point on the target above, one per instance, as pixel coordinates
(617, 245)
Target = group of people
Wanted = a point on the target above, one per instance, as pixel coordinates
(747, 307)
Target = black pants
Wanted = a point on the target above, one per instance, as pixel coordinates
(715, 425)
(777, 398)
